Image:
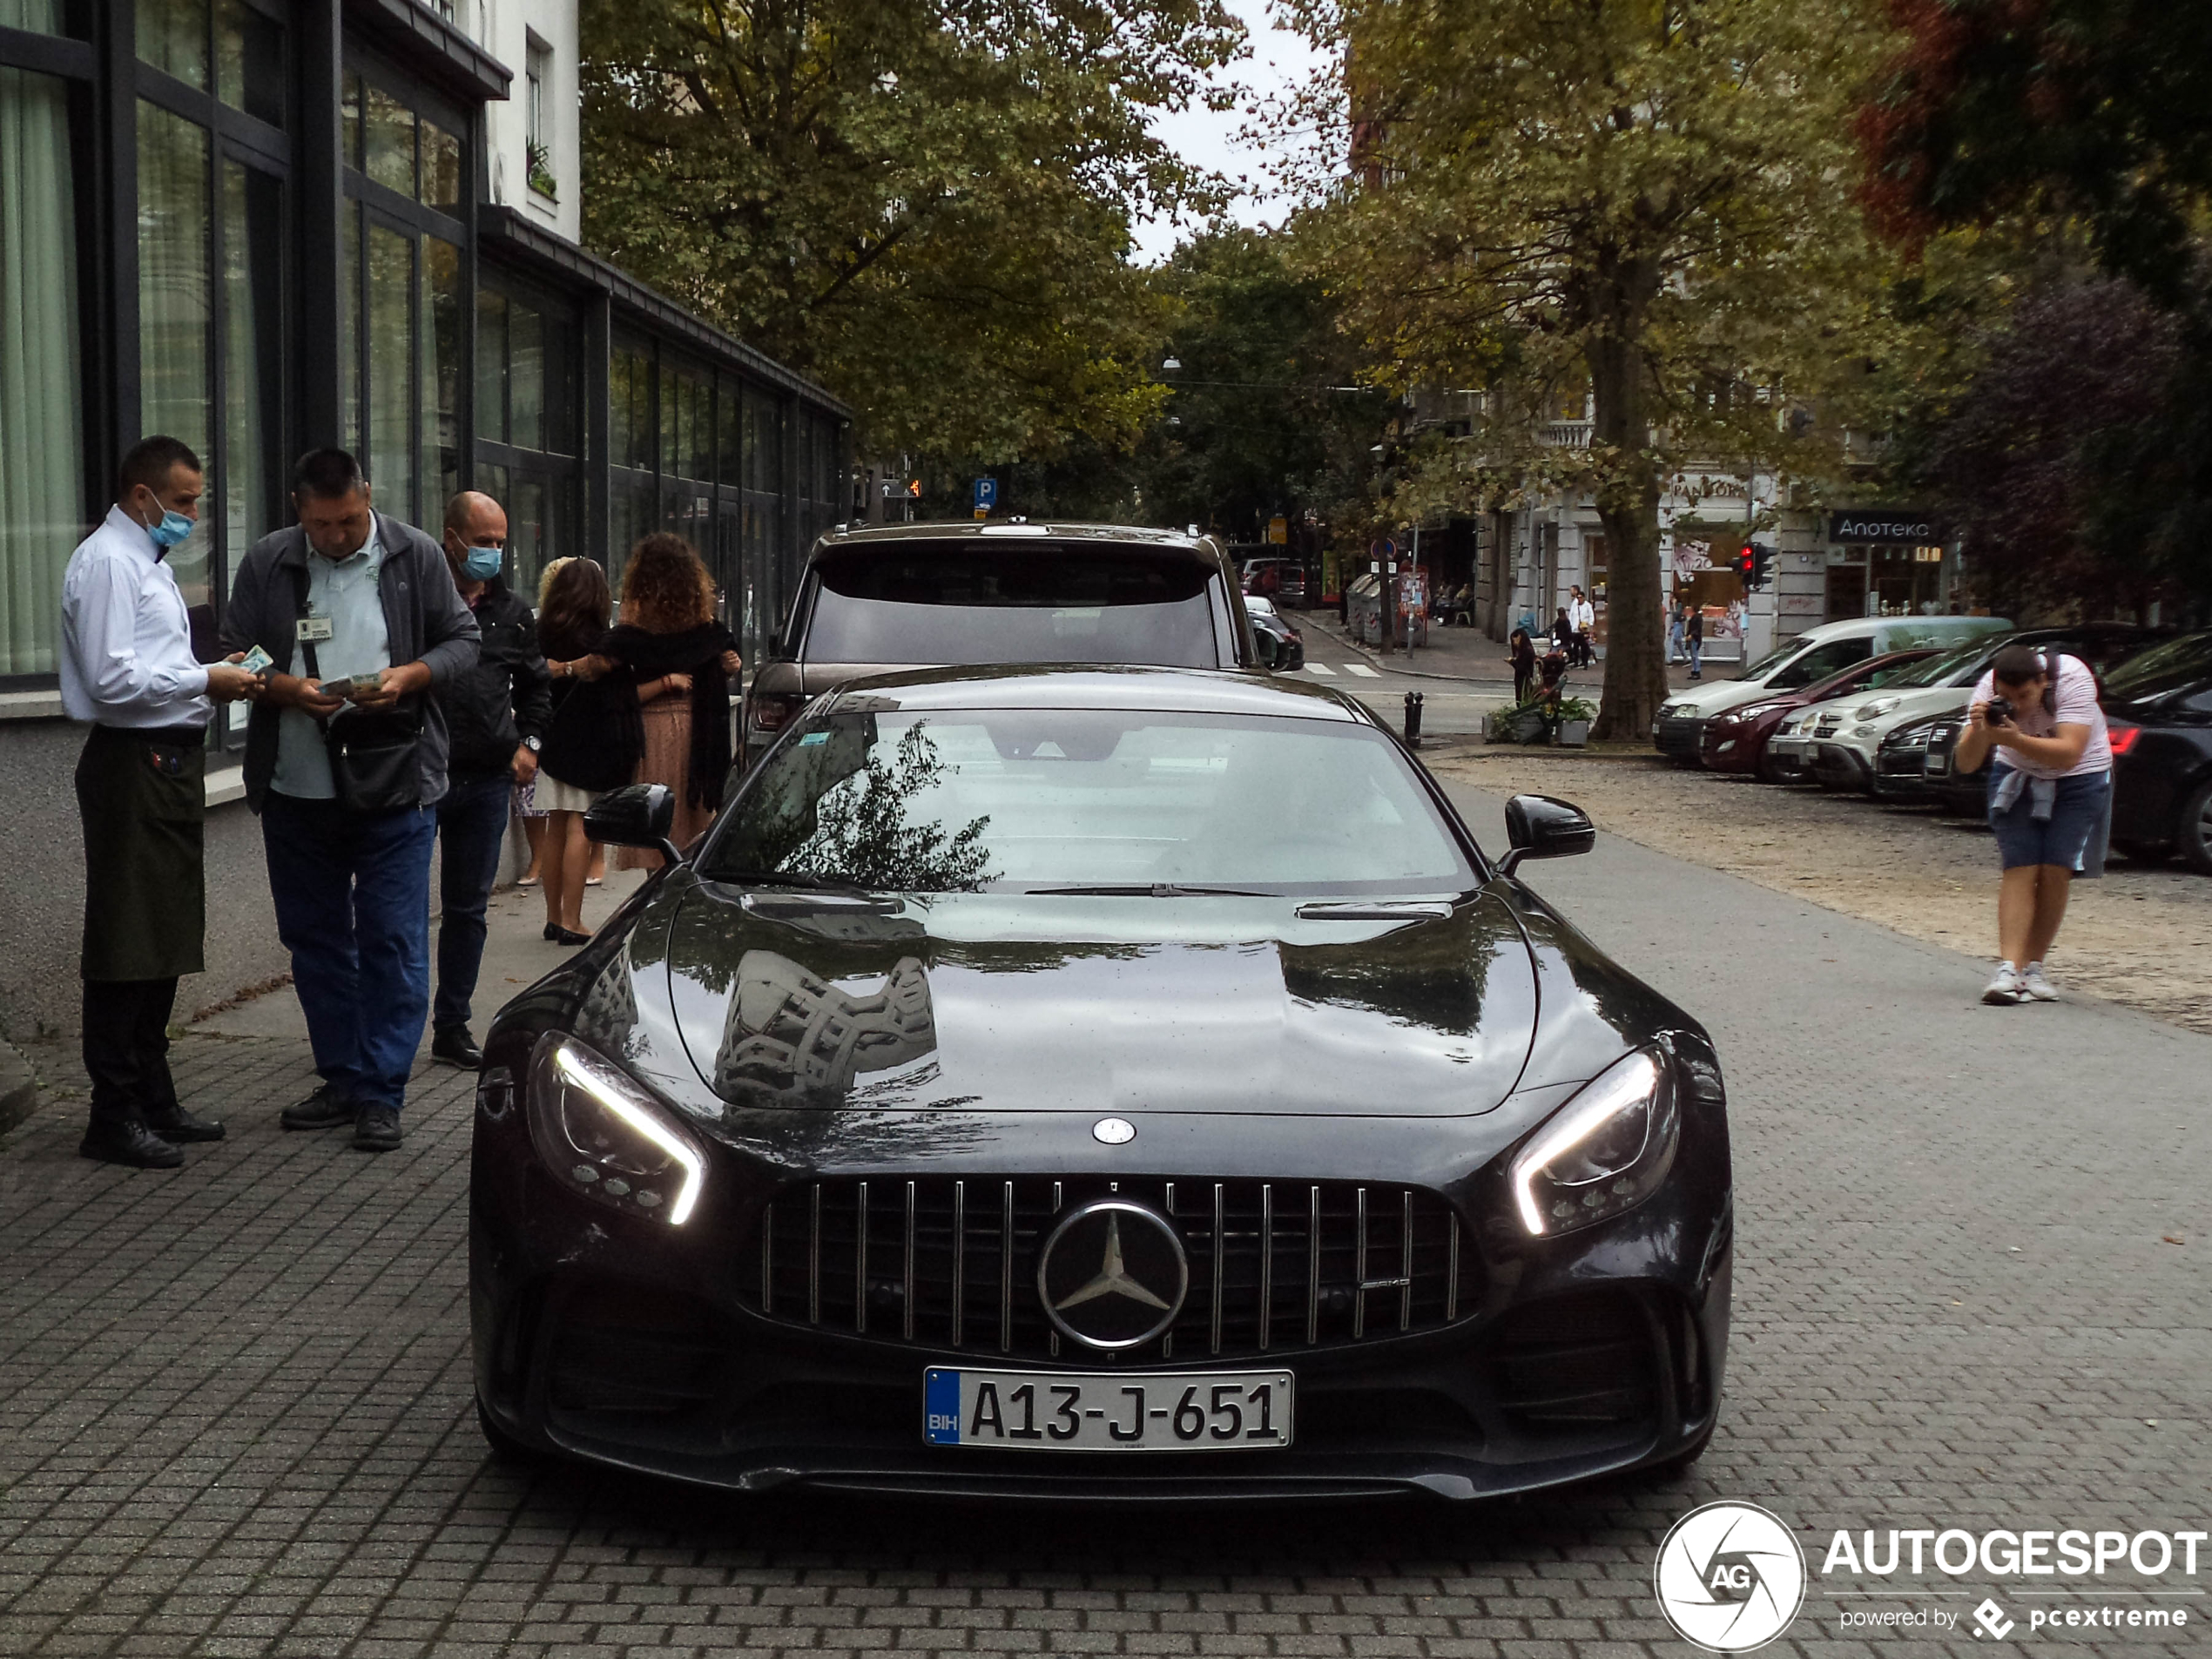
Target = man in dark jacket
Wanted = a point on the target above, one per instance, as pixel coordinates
(495, 715)
(359, 614)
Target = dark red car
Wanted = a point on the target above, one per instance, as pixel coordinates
(1735, 739)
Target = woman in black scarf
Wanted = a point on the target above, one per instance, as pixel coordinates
(680, 660)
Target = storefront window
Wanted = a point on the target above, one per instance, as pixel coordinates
(390, 460)
(249, 61)
(41, 425)
(388, 136)
(172, 37)
(526, 378)
(253, 354)
(440, 340)
(441, 168)
(39, 17)
(175, 305)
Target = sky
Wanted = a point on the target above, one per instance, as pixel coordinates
(1277, 58)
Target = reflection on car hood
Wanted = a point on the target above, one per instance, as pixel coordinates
(1003, 1002)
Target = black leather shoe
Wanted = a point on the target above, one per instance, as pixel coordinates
(377, 1130)
(131, 1144)
(179, 1125)
(570, 938)
(457, 1047)
(553, 931)
(325, 1108)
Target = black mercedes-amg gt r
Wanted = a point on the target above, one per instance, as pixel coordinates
(1092, 1082)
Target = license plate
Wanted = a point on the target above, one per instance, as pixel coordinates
(1936, 764)
(1059, 1411)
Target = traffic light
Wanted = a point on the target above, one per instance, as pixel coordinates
(1761, 565)
(1746, 563)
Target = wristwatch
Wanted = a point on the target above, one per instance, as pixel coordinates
(532, 744)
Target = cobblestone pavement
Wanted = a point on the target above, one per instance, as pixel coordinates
(235, 1417)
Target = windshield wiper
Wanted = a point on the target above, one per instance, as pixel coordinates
(1148, 890)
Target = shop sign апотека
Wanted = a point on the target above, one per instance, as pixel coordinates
(1881, 526)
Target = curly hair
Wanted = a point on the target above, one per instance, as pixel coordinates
(666, 588)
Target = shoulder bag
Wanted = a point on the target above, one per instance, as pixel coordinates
(375, 754)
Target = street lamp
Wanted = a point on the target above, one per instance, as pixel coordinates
(1173, 366)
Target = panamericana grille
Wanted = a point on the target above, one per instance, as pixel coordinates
(1275, 1266)
(1827, 725)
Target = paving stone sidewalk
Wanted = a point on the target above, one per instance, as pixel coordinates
(235, 1414)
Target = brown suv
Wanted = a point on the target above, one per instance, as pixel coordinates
(953, 594)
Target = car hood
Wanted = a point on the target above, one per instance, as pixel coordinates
(1912, 705)
(1693, 701)
(1007, 1002)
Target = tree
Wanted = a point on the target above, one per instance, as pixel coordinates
(1650, 199)
(923, 203)
(2043, 461)
(2087, 109)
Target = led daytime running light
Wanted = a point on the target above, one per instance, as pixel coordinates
(1635, 1078)
(613, 1091)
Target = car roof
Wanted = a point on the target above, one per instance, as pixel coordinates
(951, 531)
(1844, 627)
(1190, 691)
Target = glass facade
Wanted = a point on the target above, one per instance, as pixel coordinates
(168, 297)
(42, 403)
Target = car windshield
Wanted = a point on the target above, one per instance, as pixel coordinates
(2174, 666)
(1257, 606)
(1938, 670)
(1774, 658)
(1145, 803)
(1030, 604)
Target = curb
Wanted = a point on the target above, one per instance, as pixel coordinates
(1375, 661)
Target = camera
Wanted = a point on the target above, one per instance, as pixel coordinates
(1997, 710)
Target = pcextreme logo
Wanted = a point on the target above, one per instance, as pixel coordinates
(1730, 1577)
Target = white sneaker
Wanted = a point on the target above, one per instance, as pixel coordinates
(2035, 986)
(2005, 989)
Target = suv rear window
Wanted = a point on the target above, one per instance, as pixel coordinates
(1029, 604)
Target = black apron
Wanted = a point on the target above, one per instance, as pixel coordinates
(143, 799)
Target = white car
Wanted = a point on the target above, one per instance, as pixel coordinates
(1845, 737)
(1813, 655)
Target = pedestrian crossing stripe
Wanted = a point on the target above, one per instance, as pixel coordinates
(1322, 669)
(1363, 670)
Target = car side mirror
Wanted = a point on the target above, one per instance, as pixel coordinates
(635, 815)
(1537, 827)
(1268, 652)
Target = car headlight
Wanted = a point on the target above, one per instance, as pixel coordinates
(604, 1135)
(1876, 709)
(1604, 1152)
(1757, 710)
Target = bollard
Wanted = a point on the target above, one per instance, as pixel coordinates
(1412, 719)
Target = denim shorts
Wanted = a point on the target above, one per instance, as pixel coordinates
(2062, 837)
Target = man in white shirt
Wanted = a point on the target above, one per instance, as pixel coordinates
(2034, 716)
(1583, 615)
(128, 668)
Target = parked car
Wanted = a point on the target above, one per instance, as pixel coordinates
(1281, 580)
(1736, 739)
(1274, 635)
(1131, 1084)
(2158, 707)
(1846, 738)
(1814, 654)
(954, 594)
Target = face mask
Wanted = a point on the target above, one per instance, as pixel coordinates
(483, 564)
(173, 527)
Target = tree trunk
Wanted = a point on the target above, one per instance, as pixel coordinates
(1627, 504)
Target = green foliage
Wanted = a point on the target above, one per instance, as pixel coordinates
(1650, 199)
(865, 831)
(925, 206)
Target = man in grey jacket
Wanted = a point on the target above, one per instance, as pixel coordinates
(363, 626)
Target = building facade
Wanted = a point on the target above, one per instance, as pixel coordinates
(264, 225)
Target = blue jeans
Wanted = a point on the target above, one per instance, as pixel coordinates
(472, 828)
(353, 906)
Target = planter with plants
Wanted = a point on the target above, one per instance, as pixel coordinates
(540, 164)
(1576, 714)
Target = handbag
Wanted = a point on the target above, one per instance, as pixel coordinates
(375, 764)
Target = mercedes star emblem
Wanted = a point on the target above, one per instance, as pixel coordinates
(1114, 1132)
(1112, 1274)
